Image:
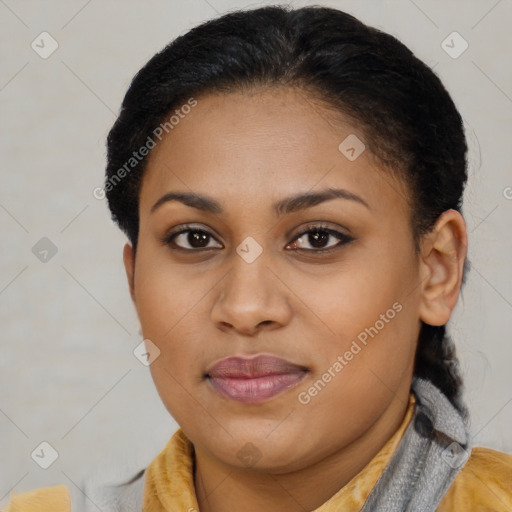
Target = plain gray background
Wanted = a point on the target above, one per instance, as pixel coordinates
(68, 327)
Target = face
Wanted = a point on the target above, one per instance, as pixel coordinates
(290, 328)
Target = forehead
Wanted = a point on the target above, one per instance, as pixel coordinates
(270, 143)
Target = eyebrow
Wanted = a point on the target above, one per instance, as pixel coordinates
(294, 203)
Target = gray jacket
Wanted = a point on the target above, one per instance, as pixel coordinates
(432, 451)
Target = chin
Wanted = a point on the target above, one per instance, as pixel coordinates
(259, 448)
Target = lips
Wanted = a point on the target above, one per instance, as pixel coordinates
(256, 379)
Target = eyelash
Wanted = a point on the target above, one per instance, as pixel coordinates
(316, 228)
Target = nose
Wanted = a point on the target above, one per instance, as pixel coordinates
(252, 297)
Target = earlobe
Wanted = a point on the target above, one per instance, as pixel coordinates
(444, 251)
(129, 266)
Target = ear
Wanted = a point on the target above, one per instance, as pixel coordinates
(129, 266)
(443, 252)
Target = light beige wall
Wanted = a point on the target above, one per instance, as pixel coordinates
(68, 328)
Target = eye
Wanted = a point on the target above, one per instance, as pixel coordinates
(196, 238)
(317, 236)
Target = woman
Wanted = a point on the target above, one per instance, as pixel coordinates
(290, 182)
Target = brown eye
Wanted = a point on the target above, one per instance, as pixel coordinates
(195, 238)
(318, 238)
(321, 239)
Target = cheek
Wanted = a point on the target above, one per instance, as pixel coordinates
(370, 293)
(368, 329)
(362, 370)
(166, 302)
(165, 294)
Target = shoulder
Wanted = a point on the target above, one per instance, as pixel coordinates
(56, 498)
(112, 489)
(484, 483)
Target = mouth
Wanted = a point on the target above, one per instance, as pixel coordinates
(254, 380)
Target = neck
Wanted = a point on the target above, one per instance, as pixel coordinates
(218, 485)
